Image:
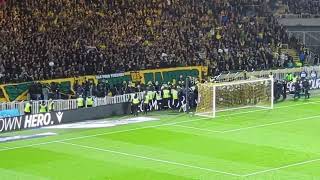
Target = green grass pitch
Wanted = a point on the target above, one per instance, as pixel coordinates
(282, 143)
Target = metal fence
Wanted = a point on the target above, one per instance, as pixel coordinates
(311, 39)
(62, 105)
(277, 73)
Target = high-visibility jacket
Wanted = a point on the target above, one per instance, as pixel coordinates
(135, 101)
(166, 94)
(27, 108)
(294, 79)
(150, 95)
(174, 94)
(80, 102)
(289, 77)
(146, 99)
(89, 101)
(158, 96)
(43, 108)
(154, 94)
(51, 106)
(132, 97)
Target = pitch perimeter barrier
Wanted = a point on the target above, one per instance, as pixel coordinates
(311, 73)
(279, 74)
(62, 117)
(9, 113)
(70, 104)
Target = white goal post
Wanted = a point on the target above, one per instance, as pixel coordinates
(217, 97)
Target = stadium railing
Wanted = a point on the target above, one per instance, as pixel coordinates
(277, 73)
(62, 105)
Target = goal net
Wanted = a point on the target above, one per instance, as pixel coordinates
(217, 97)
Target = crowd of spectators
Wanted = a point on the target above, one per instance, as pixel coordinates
(38, 91)
(303, 7)
(101, 88)
(47, 39)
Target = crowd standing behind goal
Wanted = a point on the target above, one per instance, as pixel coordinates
(163, 97)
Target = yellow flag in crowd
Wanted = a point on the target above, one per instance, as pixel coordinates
(148, 22)
(218, 36)
(100, 14)
(41, 28)
(55, 22)
(102, 46)
(50, 13)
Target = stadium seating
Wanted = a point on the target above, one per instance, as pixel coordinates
(62, 38)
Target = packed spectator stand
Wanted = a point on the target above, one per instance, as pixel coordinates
(62, 38)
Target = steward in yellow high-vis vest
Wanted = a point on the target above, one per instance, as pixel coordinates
(289, 77)
(166, 97)
(150, 95)
(89, 101)
(134, 105)
(50, 105)
(175, 99)
(80, 102)
(294, 79)
(43, 108)
(27, 108)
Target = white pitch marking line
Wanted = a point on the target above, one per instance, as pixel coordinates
(153, 159)
(270, 124)
(201, 129)
(250, 127)
(4, 147)
(281, 107)
(282, 167)
(100, 134)
(191, 127)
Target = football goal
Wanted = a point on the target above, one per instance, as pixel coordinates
(217, 97)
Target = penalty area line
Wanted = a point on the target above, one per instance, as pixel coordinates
(250, 127)
(282, 167)
(258, 110)
(201, 129)
(152, 159)
(270, 124)
(4, 148)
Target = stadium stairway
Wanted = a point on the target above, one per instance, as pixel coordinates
(294, 54)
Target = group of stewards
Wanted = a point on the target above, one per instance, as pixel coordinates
(85, 102)
(49, 107)
(167, 98)
(43, 107)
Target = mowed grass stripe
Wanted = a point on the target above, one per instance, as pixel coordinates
(256, 119)
(191, 143)
(153, 159)
(210, 146)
